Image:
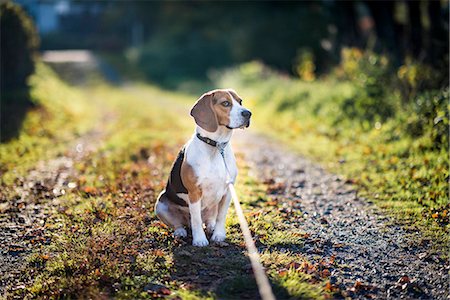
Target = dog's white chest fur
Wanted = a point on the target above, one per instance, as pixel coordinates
(212, 180)
(211, 171)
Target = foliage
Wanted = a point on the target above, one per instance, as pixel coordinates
(415, 77)
(19, 43)
(397, 157)
(428, 114)
(371, 76)
(305, 67)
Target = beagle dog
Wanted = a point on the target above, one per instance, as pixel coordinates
(196, 192)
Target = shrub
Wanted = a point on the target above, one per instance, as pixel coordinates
(430, 115)
(371, 75)
(305, 67)
(19, 42)
(415, 77)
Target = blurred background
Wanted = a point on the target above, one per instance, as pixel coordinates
(170, 42)
(185, 45)
(391, 55)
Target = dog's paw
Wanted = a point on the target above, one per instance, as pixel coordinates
(200, 242)
(180, 232)
(210, 228)
(218, 236)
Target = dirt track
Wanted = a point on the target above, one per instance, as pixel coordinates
(23, 218)
(374, 257)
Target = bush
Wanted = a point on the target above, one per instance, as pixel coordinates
(305, 67)
(429, 114)
(415, 77)
(19, 43)
(371, 75)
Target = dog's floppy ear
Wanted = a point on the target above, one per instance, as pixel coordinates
(203, 112)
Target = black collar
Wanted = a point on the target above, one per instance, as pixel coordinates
(211, 142)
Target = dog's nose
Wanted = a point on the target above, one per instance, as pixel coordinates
(246, 114)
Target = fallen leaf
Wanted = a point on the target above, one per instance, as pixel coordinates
(164, 291)
(332, 258)
(253, 213)
(328, 287)
(159, 224)
(293, 265)
(359, 286)
(90, 189)
(302, 235)
(325, 273)
(282, 272)
(272, 203)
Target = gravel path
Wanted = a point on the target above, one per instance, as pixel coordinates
(23, 218)
(374, 257)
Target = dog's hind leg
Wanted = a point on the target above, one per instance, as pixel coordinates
(170, 215)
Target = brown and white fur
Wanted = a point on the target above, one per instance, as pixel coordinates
(196, 192)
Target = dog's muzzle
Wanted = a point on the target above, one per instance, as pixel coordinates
(246, 114)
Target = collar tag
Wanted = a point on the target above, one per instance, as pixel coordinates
(221, 146)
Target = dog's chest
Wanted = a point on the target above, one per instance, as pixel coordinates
(212, 181)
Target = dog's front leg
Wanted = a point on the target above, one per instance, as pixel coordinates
(219, 231)
(198, 234)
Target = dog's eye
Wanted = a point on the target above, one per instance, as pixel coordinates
(226, 103)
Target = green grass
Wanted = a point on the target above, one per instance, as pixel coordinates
(404, 173)
(104, 238)
(61, 114)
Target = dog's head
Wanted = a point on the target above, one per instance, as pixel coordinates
(222, 107)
